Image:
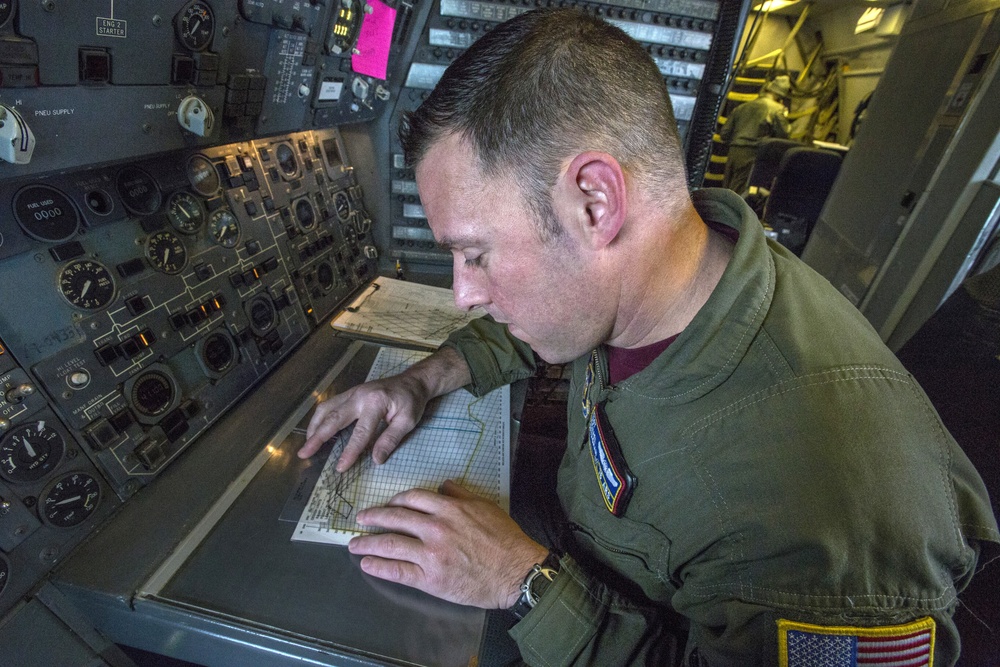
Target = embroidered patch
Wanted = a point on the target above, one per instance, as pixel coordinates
(803, 645)
(613, 475)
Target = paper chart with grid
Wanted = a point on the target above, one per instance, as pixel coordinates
(402, 312)
(461, 437)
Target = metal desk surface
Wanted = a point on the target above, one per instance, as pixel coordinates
(198, 565)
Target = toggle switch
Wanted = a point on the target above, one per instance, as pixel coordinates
(19, 393)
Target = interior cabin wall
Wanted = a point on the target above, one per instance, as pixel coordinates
(773, 34)
(860, 58)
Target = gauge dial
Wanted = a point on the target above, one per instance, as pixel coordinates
(139, 192)
(87, 284)
(186, 212)
(6, 9)
(4, 573)
(195, 26)
(166, 252)
(286, 160)
(343, 206)
(152, 393)
(45, 213)
(224, 228)
(70, 500)
(30, 452)
(202, 175)
(305, 214)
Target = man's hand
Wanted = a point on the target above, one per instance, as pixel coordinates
(454, 545)
(398, 401)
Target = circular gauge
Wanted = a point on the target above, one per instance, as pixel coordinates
(70, 500)
(286, 160)
(195, 25)
(4, 573)
(6, 9)
(139, 192)
(30, 452)
(224, 228)
(87, 284)
(218, 352)
(186, 212)
(346, 27)
(262, 314)
(202, 175)
(166, 252)
(343, 206)
(305, 214)
(325, 276)
(100, 202)
(45, 214)
(152, 394)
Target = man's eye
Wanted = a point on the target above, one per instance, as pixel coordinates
(474, 261)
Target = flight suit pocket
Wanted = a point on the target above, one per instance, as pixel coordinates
(634, 554)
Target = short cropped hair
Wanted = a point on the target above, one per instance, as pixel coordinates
(543, 87)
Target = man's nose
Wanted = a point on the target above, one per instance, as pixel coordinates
(469, 286)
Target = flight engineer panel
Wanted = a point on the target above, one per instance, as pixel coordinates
(190, 189)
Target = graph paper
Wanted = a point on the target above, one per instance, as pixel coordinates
(461, 437)
(402, 312)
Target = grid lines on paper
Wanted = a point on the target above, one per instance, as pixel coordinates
(407, 321)
(461, 437)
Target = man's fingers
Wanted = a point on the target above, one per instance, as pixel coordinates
(452, 488)
(319, 414)
(418, 500)
(331, 424)
(400, 519)
(401, 572)
(389, 440)
(364, 430)
(385, 545)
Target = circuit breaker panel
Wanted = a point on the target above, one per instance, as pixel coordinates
(689, 40)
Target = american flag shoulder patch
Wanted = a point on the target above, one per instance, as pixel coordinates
(804, 645)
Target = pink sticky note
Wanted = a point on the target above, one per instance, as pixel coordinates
(374, 40)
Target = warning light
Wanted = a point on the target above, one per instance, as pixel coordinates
(1, 348)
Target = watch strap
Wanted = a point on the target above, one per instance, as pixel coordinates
(535, 584)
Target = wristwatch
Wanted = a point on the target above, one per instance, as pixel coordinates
(535, 584)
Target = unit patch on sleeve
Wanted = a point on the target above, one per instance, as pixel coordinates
(803, 645)
(613, 475)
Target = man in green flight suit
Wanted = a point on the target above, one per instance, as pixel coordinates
(751, 477)
(750, 122)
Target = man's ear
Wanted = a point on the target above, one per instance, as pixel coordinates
(591, 197)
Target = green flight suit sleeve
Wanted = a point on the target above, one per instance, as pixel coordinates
(495, 358)
(580, 621)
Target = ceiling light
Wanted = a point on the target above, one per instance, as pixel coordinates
(772, 5)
